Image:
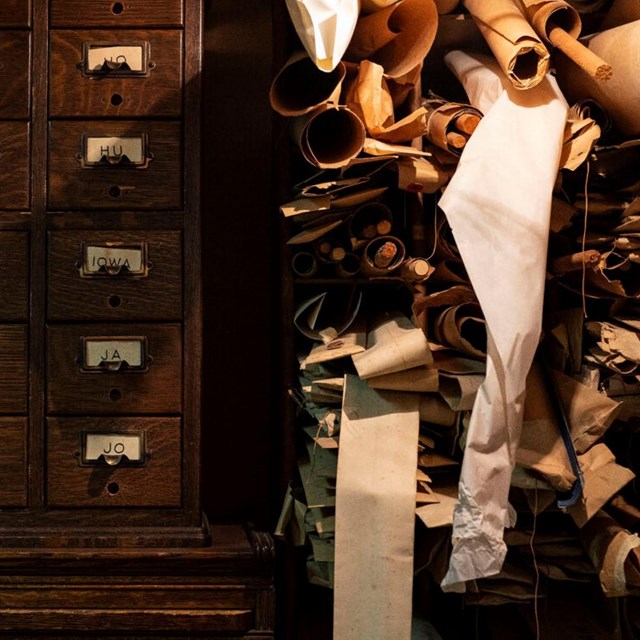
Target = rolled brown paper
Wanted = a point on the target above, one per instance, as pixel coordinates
(620, 95)
(329, 137)
(304, 264)
(442, 118)
(415, 269)
(300, 87)
(366, 218)
(462, 327)
(467, 122)
(371, 6)
(574, 262)
(621, 12)
(559, 24)
(397, 37)
(589, 108)
(349, 266)
(518, 49)
(385, 254)
(371, 250)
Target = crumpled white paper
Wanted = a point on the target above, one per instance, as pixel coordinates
(498, 204)
(324, 27)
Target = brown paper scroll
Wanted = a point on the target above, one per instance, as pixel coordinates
(519, 51)
(611, 548)
(371, 6)
(397, 37)
(329, 137)
(421, 175)
(620, 95)
(446, 6)
(462, 327)
(621, 12)
(559, 24)
(300, 87)
(382, 256)
(445, 124)
(370, 220)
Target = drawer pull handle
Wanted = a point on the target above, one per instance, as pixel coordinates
(113, 448)
(120, 354)
(119, 152)
(109, 59)
(113, 259)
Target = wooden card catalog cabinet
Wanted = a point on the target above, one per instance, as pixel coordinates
(101, 524)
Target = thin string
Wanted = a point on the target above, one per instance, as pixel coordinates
(435, 228)
(584, 241)
(535, 564)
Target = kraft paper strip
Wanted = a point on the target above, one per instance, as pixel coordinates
(418, 379)
(324, 27)
(621, 12)
(300, 87)
(397, 37)
(375, 514)
(519, 51)
(619, 95)
(498, 204)
(394, 344)
(421, 175)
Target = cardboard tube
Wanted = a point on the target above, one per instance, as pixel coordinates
(300, 87)
(559, 24)
(574, 262)
(620, 96)
(442, 118)
(304, 264)
(375, 248)
(415, 269)
(518, 49)
(365, 220)
(349, 266)
(329, 137)
(397, 37)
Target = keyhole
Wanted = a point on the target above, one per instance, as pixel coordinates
(116, 99)
(117, 8)
(113, 488)
(115, 301)
(115, 395)
(115, 191)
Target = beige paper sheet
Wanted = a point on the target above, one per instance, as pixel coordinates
(517, 48)
(498, 204)
(324, 27)
(418, 379)
(394, 343)
(619, 95)
(375, 514)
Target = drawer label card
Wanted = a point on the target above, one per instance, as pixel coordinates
(115, 59)
(114, 151)
(112, 447)
(113, 259)
(114, 354)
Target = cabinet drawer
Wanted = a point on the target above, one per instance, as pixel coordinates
(77, 477)
(15, 13)
(13, 467)
(13, 368)
(110, 13)
(115, 369)
(115, 165)
(15, 73)
(143, 75)
(14, 270)
(115, 275)
(15, 165)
